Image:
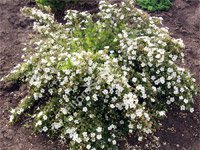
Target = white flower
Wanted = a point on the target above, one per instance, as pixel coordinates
(153, 100)
(134, 80)
(153, 77)
(144, 79)
(85, 109)
(130, 100)
(162, 113)
(191, 110)
(64, 111)
(147, 116)
(87, 98)
(139, 126)
(168, 102)
(35, 96)
(56, 125)
(121, 17)
(45, 117)
(88, 146)
(84, 134)
(70, 118)
(170, 70)
(11, 118)
(162, 80)
(181, 97)
(158, 56)
(182, 90)
(180, 42)
(140, 138)
(12, 110)
(182, 107)
(99, 129)
(185, 101)
(92, 135)
(114, 142)
(44, 129)
(172, 99)
(121, 122)
(133, 116)
(174, 58)
(39, 123)
(105, 92)
(99, 136)
(139, 112)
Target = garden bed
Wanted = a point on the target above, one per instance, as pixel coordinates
(177, 132)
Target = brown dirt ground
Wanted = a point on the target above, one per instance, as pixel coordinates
(180, 131)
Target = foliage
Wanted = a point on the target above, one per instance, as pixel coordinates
(101, 77)
(54, 4)
(154, 5)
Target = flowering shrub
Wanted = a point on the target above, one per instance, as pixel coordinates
(101, 77)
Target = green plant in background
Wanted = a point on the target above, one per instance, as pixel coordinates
(56, 5)
(154, 5)
(96, 82)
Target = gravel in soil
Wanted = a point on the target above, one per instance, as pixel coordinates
(180, 131)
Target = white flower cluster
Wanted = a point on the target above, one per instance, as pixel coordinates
(98, 78)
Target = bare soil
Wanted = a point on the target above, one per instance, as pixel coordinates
(180, 131)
